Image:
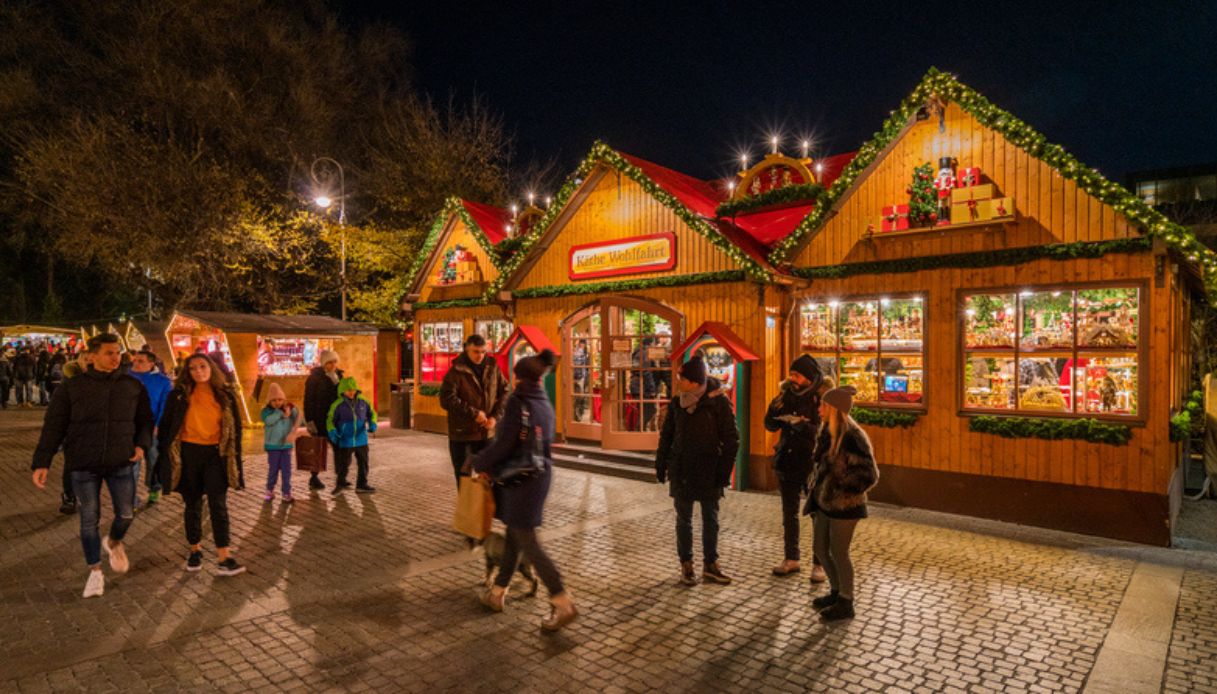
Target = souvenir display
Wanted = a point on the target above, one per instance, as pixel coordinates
(859, 326)
(861, 373)
(817, 327)
(1047, 320)
(289, 356)
(901, 328)
(989, 383)
(1108, 385)
(989, 321)
(1107, 318)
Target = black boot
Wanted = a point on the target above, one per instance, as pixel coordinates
(314, 482)
(841, 609)
(825, 600)
(67, 504)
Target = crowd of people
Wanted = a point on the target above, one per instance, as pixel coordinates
(113, 414)
(29, 373)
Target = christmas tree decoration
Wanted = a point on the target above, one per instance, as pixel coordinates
(923, 199)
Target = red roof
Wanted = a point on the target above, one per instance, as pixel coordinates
(720, 332)
(831, 167)
(492, 220)
(771, 225)
(699, 196)
(533, 335)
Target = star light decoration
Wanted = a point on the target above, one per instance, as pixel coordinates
(946, 87)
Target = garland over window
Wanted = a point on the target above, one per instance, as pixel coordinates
(450, 303)
(603, 154)
(888, 419)
(802, 192)
(1009, 256)
(940, 85)
(1090, 430)
(630, 285)
(428, 389)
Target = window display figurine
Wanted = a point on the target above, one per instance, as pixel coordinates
(1107, 394)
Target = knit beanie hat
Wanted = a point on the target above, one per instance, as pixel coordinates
(275, 392)
(841, 398)
(694, 370)
(807, 367)
(346, 384)
(533, 368)
(327, 356)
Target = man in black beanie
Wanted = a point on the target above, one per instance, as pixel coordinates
(697, 449)
(796, 413)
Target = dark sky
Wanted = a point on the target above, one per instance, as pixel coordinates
(1122, 85)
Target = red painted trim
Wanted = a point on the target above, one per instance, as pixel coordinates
(725, 337)
(670, 236)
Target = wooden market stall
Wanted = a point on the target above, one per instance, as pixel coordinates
(978, 285)
(19, 335)
(1016, 325)
(138, 334)
(259, 350)
(460, 258)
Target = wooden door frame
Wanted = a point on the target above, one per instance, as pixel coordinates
(625, 440)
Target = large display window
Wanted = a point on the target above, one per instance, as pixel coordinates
(1063, 350)
(495, 331)
(875, 344)
(439, 345)
(290, 356)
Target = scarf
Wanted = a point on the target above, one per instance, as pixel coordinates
(690, 398)
(333, 376)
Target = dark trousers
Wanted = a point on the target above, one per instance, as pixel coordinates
(204, 472)
(342, 465)
(68, 490)
(461, 452)
(709, 529)
(792, 492)
(524, 541)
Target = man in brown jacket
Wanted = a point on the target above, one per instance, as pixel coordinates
(474, 392)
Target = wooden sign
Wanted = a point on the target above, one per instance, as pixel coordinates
(629, 256)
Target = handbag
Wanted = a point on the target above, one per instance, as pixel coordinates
(474, 508)
(528, 461)
(311, 452)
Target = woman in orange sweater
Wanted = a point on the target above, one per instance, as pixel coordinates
(200, 436)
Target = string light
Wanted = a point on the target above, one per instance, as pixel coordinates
(531, 198)
(774, 141)
(743, 161)
(806, 148)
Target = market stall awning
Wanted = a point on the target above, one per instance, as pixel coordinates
(25, 329)
(533, 335)
(278, 325)
(725, 338)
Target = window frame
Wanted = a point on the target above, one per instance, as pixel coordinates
(924, 296)
(1144, 311)
(478, 322)
(418, 348)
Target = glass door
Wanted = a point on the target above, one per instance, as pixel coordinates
(636, 355)
(582, 385)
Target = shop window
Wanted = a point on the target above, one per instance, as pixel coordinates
(290, 356)
(496, 333)
(1075, 352)
(438, 345)
(875, 345)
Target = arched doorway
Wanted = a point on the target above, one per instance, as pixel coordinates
(619, 374)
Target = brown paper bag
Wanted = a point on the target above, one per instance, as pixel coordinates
(474, 508)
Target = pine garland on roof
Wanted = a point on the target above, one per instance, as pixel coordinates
(944, 86)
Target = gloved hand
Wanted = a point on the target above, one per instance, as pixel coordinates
(661, 475)
(312, 429)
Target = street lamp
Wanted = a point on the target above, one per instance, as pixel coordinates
(322, 180)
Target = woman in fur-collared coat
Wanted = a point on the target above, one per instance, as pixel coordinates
(844, 470)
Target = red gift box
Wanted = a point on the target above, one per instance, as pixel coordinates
(968, 176)
(895, 218)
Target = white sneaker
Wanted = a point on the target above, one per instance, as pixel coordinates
(96, 585)
(118, 555)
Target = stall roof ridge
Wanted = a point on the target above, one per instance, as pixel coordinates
(278, 324)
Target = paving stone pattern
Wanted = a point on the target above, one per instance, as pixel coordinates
(1192, 663)
(376, 593)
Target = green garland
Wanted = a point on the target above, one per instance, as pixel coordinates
(428, 389)
(1190, 420)
(450, 303)
(603, 154)
(1090, 430)
(944, 86)
(801, 192)
(631, 285)
(889, 419)
(425, 251)
(1009, 256)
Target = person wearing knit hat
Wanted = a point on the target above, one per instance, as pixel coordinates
(349, 421)
(280, 419)
(795, 412)
(528, 419)
(320, 391)
(697, 447)
(845, 470)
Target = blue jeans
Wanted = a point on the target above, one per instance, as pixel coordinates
(87, 485)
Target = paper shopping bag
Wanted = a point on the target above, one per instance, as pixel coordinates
(474, 508)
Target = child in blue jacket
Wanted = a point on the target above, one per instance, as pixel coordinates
(350, 420)
(281, 418)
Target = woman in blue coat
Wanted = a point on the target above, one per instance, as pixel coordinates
(520, 505)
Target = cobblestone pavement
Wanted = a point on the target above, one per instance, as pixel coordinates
(363, 593)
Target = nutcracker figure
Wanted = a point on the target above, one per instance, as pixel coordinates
(943, 184)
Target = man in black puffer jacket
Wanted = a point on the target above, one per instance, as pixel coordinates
(697, 449)
(320, 391)
(103, 421)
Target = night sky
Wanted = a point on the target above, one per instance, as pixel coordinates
(1123, 86)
